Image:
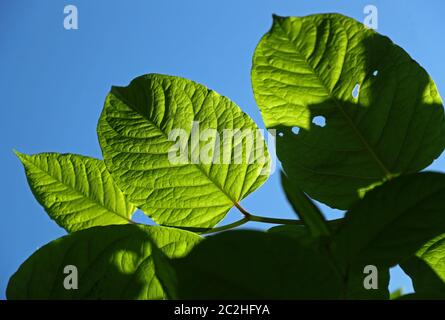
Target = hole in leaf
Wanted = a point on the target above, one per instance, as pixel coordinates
(319, 121)
(375, 73)
(400, 280)
(356, 91)
(295, 130)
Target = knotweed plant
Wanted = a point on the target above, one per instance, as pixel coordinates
(355, 120)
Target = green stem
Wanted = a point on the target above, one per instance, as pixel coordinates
(252, 217)
(247, 217)
(275, 220)
(227, 226)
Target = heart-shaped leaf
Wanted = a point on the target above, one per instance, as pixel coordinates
(365, 110)
(177, 174)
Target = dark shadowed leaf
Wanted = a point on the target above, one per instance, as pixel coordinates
(305, 208)
(394, 220)
(255, 265)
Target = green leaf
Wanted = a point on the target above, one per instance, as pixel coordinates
(134, 131)
(76, 191)
(427, 268)
(305, 208)
(393, 221)
(306, 68)
(113, 262)
(396, 294)
(433, 253)
(255, 265)
(165, 273)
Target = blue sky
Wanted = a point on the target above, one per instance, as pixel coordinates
(53, 81)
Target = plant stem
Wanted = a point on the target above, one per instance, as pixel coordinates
(242, 210)
(227, 226)
(252, 217)
(275, 220)
(247, 217)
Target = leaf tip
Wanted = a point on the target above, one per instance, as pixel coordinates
(116, 89)
(276, 18)
(17, 153)
(22, 157)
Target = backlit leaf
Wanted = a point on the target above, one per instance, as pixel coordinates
(76, 191)
(113, 262)
(135, 132)
(357, 127)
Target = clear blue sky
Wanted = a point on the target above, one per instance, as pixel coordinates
(53, 81)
